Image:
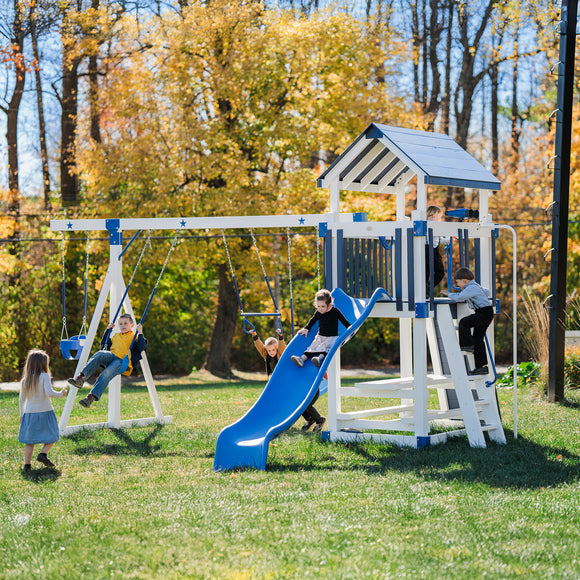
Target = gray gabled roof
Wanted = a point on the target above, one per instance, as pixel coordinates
(383, 157)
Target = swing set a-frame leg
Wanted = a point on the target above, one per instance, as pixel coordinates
(114, 409)
(92, 332)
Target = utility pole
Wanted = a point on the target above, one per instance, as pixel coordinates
(560, 203)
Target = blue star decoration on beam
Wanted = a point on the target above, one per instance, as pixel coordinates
(182, 223)
(301, 221)
(69, 225)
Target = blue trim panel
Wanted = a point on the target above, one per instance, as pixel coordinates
(115, 236)
(421, 310)
(423, 442)
(449, 181)
(420, 228)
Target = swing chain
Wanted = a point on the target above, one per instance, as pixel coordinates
(173, 244)
(289, 262)
(258, 253)
(229, 258)
(83, 329)
(147, 244)
(64, 331)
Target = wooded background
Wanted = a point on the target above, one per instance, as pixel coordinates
(154, 109)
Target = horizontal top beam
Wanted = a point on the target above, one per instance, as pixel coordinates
(201, 223)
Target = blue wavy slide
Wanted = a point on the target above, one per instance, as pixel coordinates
(287, 393)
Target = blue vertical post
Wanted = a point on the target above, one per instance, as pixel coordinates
(328, 259)
(410, 269)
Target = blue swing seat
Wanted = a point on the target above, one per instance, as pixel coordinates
(74, 344)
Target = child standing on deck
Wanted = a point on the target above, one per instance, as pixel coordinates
(434, 213)
(113, 351)
(328, 317)
(477, 299)
(38, 422)
(271, 350)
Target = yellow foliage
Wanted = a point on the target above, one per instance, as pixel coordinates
(222, 112)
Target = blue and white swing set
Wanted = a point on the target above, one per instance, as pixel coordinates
(72, 347)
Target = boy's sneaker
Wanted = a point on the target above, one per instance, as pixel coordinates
(44, 460)
(87, 401)
(469, 349)
(77, 382)
(27, 468)
(298, 360)
(479, 371)
(319, 424)
(307, 425)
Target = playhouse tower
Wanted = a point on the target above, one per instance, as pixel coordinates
(361, 256)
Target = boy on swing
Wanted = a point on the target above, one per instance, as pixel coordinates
(113, 351)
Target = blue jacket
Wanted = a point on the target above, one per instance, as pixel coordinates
(138, 346)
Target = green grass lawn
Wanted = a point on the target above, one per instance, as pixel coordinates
(145, 503)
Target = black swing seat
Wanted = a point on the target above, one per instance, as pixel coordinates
(72, 347)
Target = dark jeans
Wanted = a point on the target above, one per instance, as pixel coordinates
(310, 413)
(479, 321)
(438, 267)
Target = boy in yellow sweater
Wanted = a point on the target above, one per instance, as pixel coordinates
(113, 351)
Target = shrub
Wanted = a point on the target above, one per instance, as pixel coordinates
(528, 373)
(572, 368)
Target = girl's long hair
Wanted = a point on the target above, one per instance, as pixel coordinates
(36, 364)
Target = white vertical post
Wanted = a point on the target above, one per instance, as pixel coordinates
(334, 403)
(400, 203)
(419, 324)
(334, 197)
(116, 293)
(484, 205)
(485, 258)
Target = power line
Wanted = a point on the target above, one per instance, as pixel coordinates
(188, 237)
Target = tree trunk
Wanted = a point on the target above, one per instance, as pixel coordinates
(17, 42)
(468, 79)
(95, 112)
(69, 187)
(446, 100)
(494, 77)
(94, 99)
(515, 130)
(41, 121)
(218, 355)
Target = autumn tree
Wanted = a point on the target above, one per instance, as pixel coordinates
(222, 112)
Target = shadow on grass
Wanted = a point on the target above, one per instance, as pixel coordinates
(42, 475)
(522, 463)
(127, 445)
